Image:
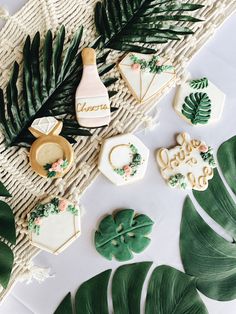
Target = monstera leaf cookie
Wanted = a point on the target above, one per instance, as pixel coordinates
(199, 102)
(123, 233)
(189, 165)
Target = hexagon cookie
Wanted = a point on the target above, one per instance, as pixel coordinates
(123, 159)
(146, 75)
(199, 102)
(54, 224)
(189, 165)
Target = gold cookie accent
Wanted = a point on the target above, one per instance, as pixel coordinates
(48, 149)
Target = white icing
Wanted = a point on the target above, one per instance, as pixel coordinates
(57, 232)
(44, 125)
(216, 96)
(185, 159)
(121, 156)
(143, 84)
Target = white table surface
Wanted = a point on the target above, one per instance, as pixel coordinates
(217, 61)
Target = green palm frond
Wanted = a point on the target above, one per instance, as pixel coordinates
(197, 108)
(7, 233)
(123, 23)
(49, 86)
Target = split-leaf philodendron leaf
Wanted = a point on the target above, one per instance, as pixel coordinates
(122, 234)
(49, 86)
(197, 108)
(8, 233)
(205, 254)
(169, 291)
(125, 24)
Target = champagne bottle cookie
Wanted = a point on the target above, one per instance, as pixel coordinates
(92, 100)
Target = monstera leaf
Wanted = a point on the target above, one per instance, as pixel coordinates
(118, 236)
(197, 108)
(205, 254)
(200, 83)
(123, 23)
(8, 233)
(169, 291)
(48, 86)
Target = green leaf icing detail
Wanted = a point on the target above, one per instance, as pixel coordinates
(199, 84)
(132, 167)
(120, 235)
(153, 65)
(209, 157)
(197, 108)
(56, 167)
(171, 291)
(55, 206)
(177, 180)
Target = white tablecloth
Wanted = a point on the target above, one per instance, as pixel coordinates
(217, 61)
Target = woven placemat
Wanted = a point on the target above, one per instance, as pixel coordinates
(40, 15)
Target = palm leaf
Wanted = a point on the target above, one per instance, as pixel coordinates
(197, 108)
(117, 236)
(49, 86)
(205, 254)
(8, 233)
(169, 291)
(125, 24)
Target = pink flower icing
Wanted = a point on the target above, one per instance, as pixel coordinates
(38, 221)
(63, 205)
(56, 166)
(203, 148)
(135, 66)
(127, 170)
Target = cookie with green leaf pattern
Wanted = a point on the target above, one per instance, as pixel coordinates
(199, 102)
(123, 233)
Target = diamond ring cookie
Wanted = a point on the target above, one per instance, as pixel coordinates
(146, 75)
(189, 165)
(54, 224)
(199, 102)
(50, 155)
(123, 159)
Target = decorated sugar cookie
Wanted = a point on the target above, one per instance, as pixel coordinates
(188, 165)
(146, 75)
(122, 233)
(54, 224)
(50, 155)
(199, 102)
(123, 159)
(92, 100)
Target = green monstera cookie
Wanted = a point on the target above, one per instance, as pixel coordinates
(121, 234)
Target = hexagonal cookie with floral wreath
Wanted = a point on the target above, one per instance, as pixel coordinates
(123, 159)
